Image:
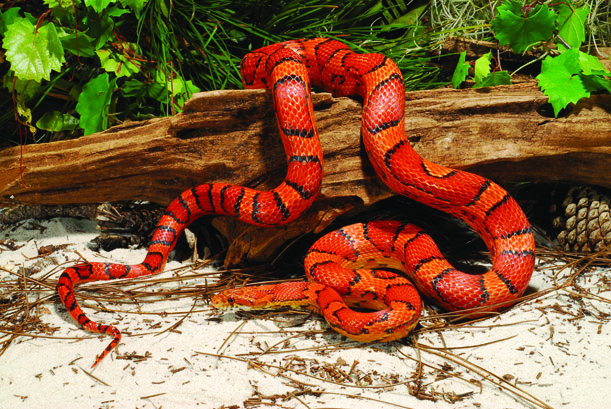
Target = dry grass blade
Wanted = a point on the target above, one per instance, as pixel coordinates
(487, 375)
(258, 364)
(94, 377)
(23, 296)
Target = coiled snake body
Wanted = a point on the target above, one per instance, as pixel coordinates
(349, 262)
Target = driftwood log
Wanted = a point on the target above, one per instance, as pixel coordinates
(503, 133)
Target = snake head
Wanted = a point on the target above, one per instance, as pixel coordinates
(252, 298)
(299, 294)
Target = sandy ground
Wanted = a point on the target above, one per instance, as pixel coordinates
(553, 351)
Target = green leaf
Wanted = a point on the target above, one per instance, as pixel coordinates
(595, 83)
(176, 86)
(590, 64)
(412, 16)
(117, 63)
(183, 90)
(7, 18)
(136, 5)
(512, 27)
(33, 54)
(93, 103)
(63, 4)
(571, 25)
(25, 88)
(55, 121)
(482, 67)
(135, 88)
(180, 89)
(116, 11)
(69, 42)
(494, 79)
(568, 59)
(25, 113)
(100, 28)
(99, 5)
(559, 82)
(461, 71)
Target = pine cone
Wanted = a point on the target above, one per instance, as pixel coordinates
(584, 221)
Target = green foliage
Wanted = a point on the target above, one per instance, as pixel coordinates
(76, 43)
(33, 53)
(570, 77)
(555, 28)
(571, 24)
(493, 79)
(83, 38)
(522, 28)
(94, 102)
(105, 61)
(8, 17)
(484, 76)
(120, 64)
(55, 121)
(60, 3)
(461, 71)
(133, 59)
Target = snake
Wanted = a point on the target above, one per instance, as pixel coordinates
(355, 266)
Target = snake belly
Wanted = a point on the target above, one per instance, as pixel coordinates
(346, 268)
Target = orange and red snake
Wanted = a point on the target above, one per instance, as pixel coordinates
(346, 267)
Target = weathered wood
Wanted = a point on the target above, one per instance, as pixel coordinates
(504, 133)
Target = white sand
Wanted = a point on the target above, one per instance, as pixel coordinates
(555, 349)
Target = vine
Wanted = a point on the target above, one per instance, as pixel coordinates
(101, 65)
(79, 66)
(558, 29)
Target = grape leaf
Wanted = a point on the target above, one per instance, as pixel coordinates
(594, 73)
(183, 90)
(69, 42)
(117, 63)
(482, 66)
(558, 80)
(93, 103)
(33, 54)
(590, 64)
(568, 59)
(25, 88)
(136, 5)
(100, 27)
(55, 121)
(571, 25)
(64, 4)
(511, 27)
(135, 88)
(7, 18)
(461, 71)
(98, 5)
(116, 11)
(494, 79)
(596, 83)
(176, 85)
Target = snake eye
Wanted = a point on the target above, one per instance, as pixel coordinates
(230, 300)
